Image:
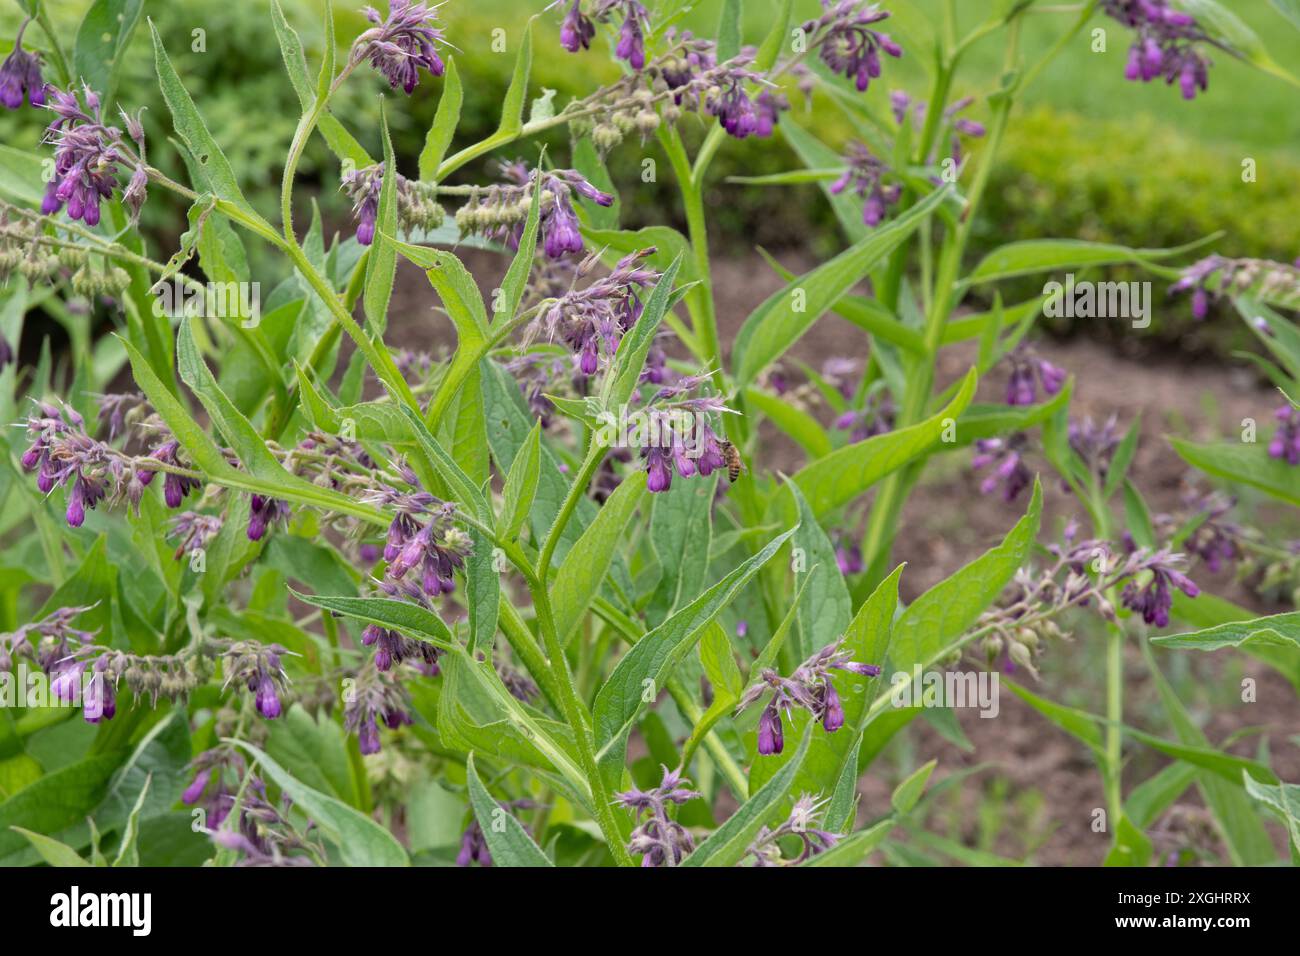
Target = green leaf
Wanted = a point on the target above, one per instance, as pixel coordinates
(507, 840)
(629, 361)
(1248, 464)
(340, 141)
(792, 420)
(463, 490)
(729, 30)
(646, 667)
(516, 280)
(521, 486)
(681, 531)
(218, 175)
(587, 565)
(817, 155)
(482, 592)
(102, 37)
(783, 318)
(56, 801)
(854, 849)
(411, 619)
(360, 840)
(826, 611)
(946, 611)
(847, 472)
(907, 793)
(1033, 256)
(1277, 630)
(1282, 800)
(52, 851)
(727, 845)
(264, 474)
(1218, 21)
(128, 854)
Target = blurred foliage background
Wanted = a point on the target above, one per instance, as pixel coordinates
(1090, 156)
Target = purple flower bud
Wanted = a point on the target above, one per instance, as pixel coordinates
(267, 700)
(196, 787)
(771, 739)
(833, 710)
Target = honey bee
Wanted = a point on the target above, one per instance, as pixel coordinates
(731, 455)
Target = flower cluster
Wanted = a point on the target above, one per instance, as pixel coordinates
(1028, 371)
(1096, 443)
(258, 667)
(87, 154)
(20, 74)
(578, 30)
(262, 834)
(393, 647)
(809, 688)
(678, 433)
(501, 211)
(374, 698)
(401, 45)
(591, 321)
(658, 839)
(1286, 440)
(1159, 572)
(421, 536)
(687, 76)
(846, 41)
(1165, 45)
(1006, 456)
(194, 531)
(61, 452)
(875, 417)
(903, 106)
(417, 207)
(865, 174)
(802, 824)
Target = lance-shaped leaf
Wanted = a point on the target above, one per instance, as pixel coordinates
(629, 361)
(465, 492)
(587, 565)
(102, 37)
(218, 175)
(507, 840)
(681, 531)
(411, 619)
(727, 845)
(1276, 630)
(1033, 256)
(644, 670)
(341, 142)
(847, 472)
(360, 840)
(521, 486)
(825, 612)
(445, 121)
(1249, 464)
(786, 315)
(212, 461)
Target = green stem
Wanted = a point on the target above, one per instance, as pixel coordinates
(595, 454)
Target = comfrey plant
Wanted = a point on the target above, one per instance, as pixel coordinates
(306, 582)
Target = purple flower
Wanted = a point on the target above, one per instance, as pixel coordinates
(864, 174)
(86, 157)
(401, 45)
(20, 74)
(501, 211)
(1286, 440)
(1028, 371)
(846, 42)
(631, 40)
(577, 31)
(1006, 458)
(473, 844)
(809, 688)
(175, 487)
(1165, 45)
(264, 512)
(376, 698)
(658, 839)
(1154, 599)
